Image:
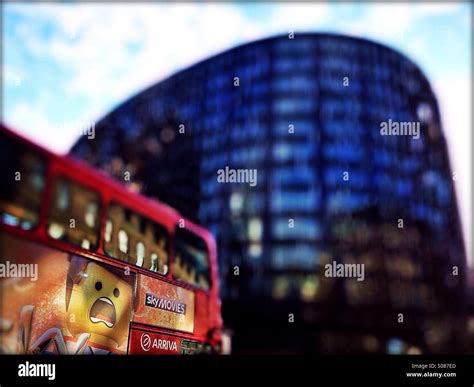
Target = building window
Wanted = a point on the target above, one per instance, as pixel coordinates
(255, 229)
(303, 228)
(424, 113)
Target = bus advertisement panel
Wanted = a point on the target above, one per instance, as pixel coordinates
(59, 303)
(165, 305)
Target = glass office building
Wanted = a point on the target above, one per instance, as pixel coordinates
(346, 141)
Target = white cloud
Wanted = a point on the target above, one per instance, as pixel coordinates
(93, 43)
(395, 21)
(430, 9)
(12, 75)
(454, 99)
(383, 21)
(29, 120)
(299, 16)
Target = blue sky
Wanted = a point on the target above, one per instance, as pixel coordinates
(66, 65)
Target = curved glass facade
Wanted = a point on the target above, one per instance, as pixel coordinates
(308, 115)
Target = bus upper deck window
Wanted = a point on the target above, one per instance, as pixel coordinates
(21, 195)
(91, 214)
(74, 214)
(62, 195)
(154, 262)
(162, 249)
(191, 262)
(108, 231)
(134, 238)
(123, 241)
(140, 254)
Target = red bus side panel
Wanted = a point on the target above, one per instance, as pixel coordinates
(149, 343)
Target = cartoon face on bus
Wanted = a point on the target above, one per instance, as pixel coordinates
(98, 302)
(95, 319)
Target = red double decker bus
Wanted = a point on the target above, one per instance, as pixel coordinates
(89, 267)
